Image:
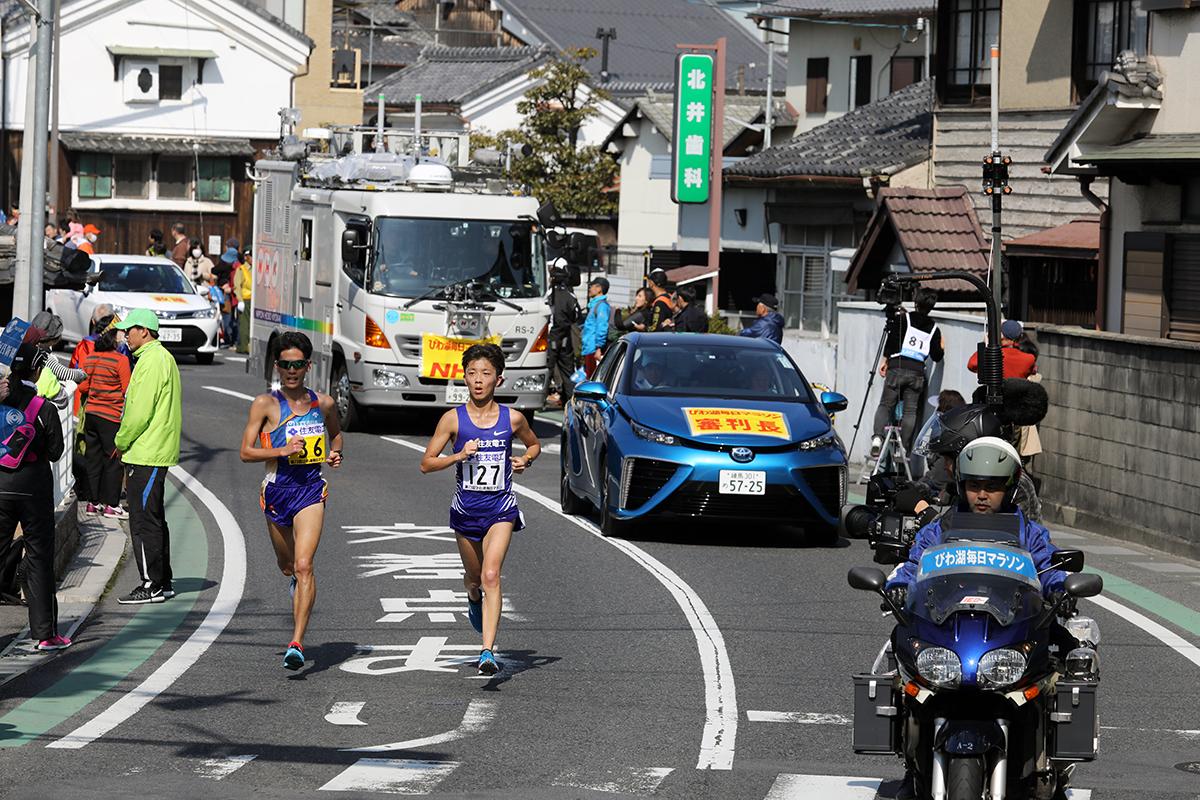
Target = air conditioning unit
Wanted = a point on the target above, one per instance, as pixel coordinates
(140, 81)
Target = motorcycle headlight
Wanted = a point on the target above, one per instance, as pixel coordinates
(940, 666)
(651, 435)
(1002, 667)
(1084, 629)
(205, 313)
(820, 442)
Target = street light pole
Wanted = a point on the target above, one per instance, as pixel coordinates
(27, 282)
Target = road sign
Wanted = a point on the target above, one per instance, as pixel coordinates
(690, 163)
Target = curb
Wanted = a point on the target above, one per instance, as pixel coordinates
(96, 560)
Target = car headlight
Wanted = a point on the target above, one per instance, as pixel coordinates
(820, 442)
(530, 383)
(1084, 629)
(205, 313)
(120, 311)
(390, 379)
(940, 666)
(1002, 667)
(651, 435)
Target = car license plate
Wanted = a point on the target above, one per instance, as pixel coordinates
(457, 395)
(170, 334)
(740, 481)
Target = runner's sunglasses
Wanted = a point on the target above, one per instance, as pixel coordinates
(299, 363)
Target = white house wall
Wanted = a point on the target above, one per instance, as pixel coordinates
(243, 87)
(496, 110)
(753, 236)
(648, 217)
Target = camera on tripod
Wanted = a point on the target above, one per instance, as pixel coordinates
(889, 532)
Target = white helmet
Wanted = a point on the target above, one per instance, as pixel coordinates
(988, 458)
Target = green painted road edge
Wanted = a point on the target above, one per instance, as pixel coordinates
(150, 627)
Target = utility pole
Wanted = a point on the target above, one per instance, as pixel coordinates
(605, 36)
(768, 118)
(53, 186)
(27, 285)
(718, 165)
(995, 182)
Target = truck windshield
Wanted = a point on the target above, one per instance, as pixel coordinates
(413, 256)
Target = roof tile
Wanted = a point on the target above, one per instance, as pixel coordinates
(451, 75)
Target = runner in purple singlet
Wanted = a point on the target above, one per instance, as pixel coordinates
(484, 513)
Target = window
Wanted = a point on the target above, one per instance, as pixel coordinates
(811, 290)
(170, 81)
(860, 81)
(174, 178)
(906, 70)
(132, 176)
(1103, 28)
(969, 29)
(290, 11)
(816, 100)
(306, 237)
(213, 182)
(95, 176)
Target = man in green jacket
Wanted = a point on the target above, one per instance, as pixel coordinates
(148, 444)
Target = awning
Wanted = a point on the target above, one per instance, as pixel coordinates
(124, 144)
(120, 51)
(1169, 148)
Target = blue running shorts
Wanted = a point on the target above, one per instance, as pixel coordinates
(281, 503)
(475, 527)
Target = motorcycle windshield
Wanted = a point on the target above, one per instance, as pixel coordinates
(970, 576)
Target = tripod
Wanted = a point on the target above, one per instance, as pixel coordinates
(870, 382)
(892, 440)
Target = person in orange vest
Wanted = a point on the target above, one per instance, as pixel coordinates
(1017, 362)
(90, 234)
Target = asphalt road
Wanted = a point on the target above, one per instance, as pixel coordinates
(688, 662)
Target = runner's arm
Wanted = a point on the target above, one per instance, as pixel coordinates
(533, 447)
(334, 429)
(447, 428)
(251, 451)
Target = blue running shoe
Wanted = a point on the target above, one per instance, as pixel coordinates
(488, 665)
(475, 613)
(292, 587)
(293, 659)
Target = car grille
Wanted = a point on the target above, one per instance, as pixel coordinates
(410, 348)
(703, 499)
(829, 486)
(191, 338)
(641, 479)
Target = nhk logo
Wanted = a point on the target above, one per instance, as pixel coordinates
(441, 356)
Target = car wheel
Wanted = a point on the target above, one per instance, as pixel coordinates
(350, 416)
(204, 359)
(609, 525)
(571, 503)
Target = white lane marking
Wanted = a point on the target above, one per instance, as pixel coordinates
(1167, 567)
(1107, 550)
(236, 359)
(617, 780)
(798, 717)
(345, 714)
(230, 392)
(393, 775)
(233, 581)
(218, 768)
(1164, 635)
(1186, 734)
(826, 787)
(478, 716)
(720, 695)
(549, 421)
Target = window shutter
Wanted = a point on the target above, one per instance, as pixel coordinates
(1183, 303)
(816, 94)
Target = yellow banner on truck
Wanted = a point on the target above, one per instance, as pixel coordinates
(441, 356)
(744, 421)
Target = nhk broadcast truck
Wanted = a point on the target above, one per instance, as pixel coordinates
(394, 262)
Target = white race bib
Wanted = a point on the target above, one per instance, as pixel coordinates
(485, 471)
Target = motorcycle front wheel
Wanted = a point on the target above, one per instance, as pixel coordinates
(965, 776)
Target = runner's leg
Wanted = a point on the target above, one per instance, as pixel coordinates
(306, 535)
(495, 548)
(283, 540)
(472, 558)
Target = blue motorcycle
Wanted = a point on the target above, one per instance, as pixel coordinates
(982, 689)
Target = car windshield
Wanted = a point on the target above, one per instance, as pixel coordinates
(688, 369)
(165, 278)
(413, 256)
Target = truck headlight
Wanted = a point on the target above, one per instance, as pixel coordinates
(390, 379)
(651, 435)
(940, 666)
(530, 383)
(820, 442)
(1002, 667)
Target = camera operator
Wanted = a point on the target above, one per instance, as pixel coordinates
(564, 318)
(911, 340)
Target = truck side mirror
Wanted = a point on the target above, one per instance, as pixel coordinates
(547, 214)
(351, 248)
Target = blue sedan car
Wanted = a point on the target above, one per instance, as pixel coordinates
(703, 426)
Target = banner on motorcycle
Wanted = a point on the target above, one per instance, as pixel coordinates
(743, 421)
(441, 356)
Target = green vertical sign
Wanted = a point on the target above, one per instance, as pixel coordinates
(692, 157)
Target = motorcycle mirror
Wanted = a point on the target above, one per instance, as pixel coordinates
(1083, 585)
(868, 579)
(1067, 560)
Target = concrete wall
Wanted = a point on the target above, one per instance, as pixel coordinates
(752, 237)
(318, 101)
(1175, 43)
(648, 217)
(1122, 436)
(1035, 54)
(816, 355)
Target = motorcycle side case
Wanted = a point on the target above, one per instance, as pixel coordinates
(1074, 721)
(876, 715)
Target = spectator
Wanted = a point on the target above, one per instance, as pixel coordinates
(690, 318)
(220, 300)
(769, 324)
(90, 235)
(27, 491)
(154, 244)
(73, 236)
(564, 319)
(595, 326)
(14, 216)
(638, 316)
(148, 443)
(107, 380)
(179, 250)
(45, 331)
(948, 400)
(52, 231)
(661, 308)
(911, 340)
(1017, 362)
(225, 268)
(198, 266)
(243, 286)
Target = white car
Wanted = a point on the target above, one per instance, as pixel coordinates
(188, 322)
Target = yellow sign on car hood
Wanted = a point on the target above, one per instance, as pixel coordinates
(441, 356)
(736, 421)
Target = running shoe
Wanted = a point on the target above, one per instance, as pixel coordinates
(475, 613)
(876, 446)
(292, 587)
(488, 665)
(142, 594)
(92, 508)
(293, 659)
(55, 642)
(115, 512)
(168, 591)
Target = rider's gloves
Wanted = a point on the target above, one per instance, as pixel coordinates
(1063, 603)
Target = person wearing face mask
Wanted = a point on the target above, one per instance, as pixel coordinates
(90, 235)
(198, 265)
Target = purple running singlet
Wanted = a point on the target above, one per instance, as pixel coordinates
(484, 494)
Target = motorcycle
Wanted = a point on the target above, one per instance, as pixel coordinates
(975, 691)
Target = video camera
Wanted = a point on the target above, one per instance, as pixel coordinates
(889, 531)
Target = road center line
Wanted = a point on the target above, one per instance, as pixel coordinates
(720, 695)
(233, 580)
(230, 392)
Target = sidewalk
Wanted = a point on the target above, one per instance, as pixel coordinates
(101, 547)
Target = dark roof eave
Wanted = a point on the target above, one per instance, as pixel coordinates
(798, 180)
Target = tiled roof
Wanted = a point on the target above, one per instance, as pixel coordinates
(879, 138)
(844, 9)
(451, 75)
(643, 54)
(739, 109)
(1082, 235)
(388, 50)
(937, 229)
(267, 15)
(121, 143)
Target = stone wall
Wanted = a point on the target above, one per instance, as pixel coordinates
(1122, 438)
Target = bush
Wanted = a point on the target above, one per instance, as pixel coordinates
(717, 324)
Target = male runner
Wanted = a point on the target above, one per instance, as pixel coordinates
(294, 430)
(484, 513)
